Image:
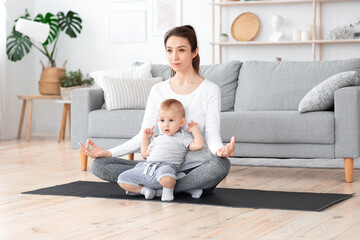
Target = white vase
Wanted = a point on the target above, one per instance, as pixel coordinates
(65, 92)
(296, 35)
(305, 35)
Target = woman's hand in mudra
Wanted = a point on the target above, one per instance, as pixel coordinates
(96, 152)
(228, 150)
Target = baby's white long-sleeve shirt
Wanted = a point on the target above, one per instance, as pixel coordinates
(203, 106)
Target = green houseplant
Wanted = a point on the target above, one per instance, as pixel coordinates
(72, 80)
(356, 29)
(19, 45)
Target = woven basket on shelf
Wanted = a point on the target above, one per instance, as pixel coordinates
(245, 27)
(49, 88)
(50, 79)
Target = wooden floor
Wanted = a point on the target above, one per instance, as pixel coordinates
(43, 162)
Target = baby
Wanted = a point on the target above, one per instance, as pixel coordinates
(164, 155)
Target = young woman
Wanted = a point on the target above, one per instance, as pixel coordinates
(201, 99)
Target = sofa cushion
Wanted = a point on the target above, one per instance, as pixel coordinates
(224, 75)
(130, 72)
(161, 70)
(158, 70)
(266, 86)
(114, 124)
(278, 127)
(321, 97)
(127, 93)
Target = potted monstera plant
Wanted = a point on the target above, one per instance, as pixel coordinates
(19, 45)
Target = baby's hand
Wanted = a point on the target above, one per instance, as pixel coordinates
(193, 126)
(148, 132)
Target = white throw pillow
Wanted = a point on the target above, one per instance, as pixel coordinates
(321, 97)
(127, 93)
(143, 71)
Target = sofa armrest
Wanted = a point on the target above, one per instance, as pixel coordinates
(347, 122)
(83, 101)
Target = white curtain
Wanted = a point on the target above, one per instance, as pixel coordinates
(2, 65)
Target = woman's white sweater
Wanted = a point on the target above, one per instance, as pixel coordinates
(203, 106)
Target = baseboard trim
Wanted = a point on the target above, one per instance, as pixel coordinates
(293, 162)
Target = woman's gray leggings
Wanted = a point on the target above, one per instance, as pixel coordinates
(206, 176)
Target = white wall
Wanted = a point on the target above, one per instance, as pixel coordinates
(2, 66)
(92, 50)
(296, 16)
(19, 76)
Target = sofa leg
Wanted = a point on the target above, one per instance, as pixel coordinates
(131, 156)
(83, 160)
(348, 165)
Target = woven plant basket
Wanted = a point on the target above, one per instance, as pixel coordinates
(49, 83)
(49, 88)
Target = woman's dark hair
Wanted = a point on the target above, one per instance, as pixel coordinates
(189, 33)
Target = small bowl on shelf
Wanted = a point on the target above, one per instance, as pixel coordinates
(223, 37)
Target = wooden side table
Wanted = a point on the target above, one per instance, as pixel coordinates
(28, 100)
(66, 112)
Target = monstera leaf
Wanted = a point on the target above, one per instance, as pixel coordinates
(17, 46)
(71, 23)
(50, 19)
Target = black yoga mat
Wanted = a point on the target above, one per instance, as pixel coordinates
(225, 197)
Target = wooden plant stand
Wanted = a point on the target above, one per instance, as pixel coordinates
(28, 100)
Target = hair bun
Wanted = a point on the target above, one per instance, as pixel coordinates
(189, 27)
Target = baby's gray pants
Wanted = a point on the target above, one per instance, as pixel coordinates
(148, 174)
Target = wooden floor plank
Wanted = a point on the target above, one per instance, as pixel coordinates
(43, 162)
(352, 233)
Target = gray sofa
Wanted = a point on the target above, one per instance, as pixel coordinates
(259, 107)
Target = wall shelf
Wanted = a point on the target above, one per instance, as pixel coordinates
(267, 2)
(248, 3)
(286, 42)
(316, 42)
(261, 43)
